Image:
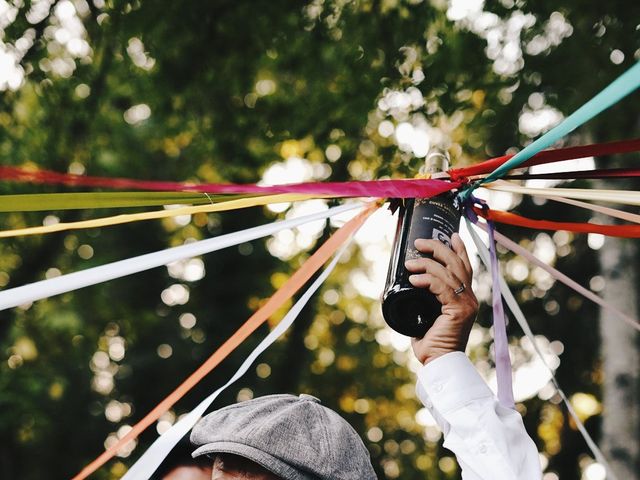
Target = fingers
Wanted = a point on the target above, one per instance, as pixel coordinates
(463, 305)
(443, 291)
(456, 261)
(435, 269)
(461, 250)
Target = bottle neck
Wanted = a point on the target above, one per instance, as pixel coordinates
(436, 164)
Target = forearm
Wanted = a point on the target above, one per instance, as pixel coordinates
(490, 441)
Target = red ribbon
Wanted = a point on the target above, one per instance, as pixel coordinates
(627, 231)
(374, 188)
(549, 156)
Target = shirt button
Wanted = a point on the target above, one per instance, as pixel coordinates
(437, 387)
(482, 449)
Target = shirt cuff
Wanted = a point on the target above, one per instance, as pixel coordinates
(451, 381)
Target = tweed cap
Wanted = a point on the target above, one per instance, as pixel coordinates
(293, 437)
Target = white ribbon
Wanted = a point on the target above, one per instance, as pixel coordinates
(522, 321)
(66, 283)
(627, 197)
(630, 217)
(157, 452)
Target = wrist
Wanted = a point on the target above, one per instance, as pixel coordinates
(436, 353)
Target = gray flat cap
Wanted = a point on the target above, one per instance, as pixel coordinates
(295, 438)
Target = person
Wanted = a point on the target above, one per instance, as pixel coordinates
(291, 437)
(180, 466)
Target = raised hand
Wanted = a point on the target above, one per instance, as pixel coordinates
(448, 276)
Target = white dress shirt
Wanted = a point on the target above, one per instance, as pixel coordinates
(489, 440)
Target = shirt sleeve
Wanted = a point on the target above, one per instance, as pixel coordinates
(489, 441)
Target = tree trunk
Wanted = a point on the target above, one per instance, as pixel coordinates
(620, 360)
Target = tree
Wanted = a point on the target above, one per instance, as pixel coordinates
(221, 92)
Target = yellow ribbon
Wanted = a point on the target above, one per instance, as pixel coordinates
(136, 217)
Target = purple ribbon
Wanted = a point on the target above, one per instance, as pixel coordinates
(500, 340)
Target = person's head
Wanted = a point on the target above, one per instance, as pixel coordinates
(281, 437)
(179, 465)
(227, 466)
(189, 472)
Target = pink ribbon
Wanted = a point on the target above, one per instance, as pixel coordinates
(612, 212)
(515, 248)
(418, 188)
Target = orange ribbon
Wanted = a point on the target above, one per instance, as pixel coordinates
(291, 286)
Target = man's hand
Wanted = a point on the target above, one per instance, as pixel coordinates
(448, 271)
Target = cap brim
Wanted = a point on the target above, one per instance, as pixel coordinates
(271, 463)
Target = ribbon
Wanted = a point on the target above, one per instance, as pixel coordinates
(65, 283)
(291, 286)
(501, 342)
(173, 212)
(586, 174)
(156, 453)
(522, 321)
(83, 200)
(617, 90)
(500, 339)
(31, 175)
(612, 212)
(549, 156)
(420, 188)
(625, 197)
(626, 231)
(523, 252)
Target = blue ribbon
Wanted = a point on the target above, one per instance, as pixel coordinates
(616, 91)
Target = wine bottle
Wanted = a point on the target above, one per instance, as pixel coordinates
(407, 309)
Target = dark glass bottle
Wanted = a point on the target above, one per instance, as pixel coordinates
(407, 309)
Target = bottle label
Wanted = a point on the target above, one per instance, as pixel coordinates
(433, 218)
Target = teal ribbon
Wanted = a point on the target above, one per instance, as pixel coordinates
(616, 91)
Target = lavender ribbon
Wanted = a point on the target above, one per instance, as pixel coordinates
(500, 340)
(522, 321)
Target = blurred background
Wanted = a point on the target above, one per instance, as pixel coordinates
(286, 91)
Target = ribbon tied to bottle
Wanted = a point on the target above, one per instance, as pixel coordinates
(501, 341)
